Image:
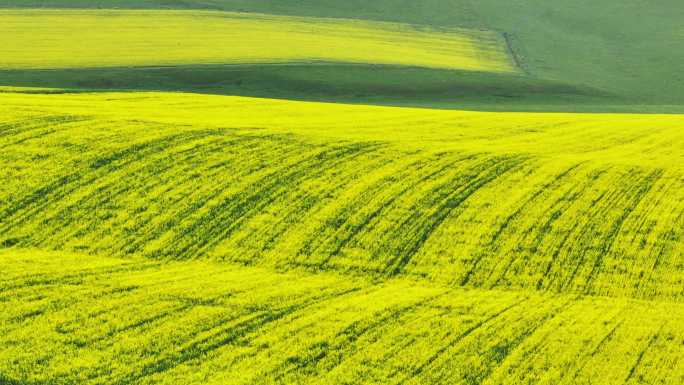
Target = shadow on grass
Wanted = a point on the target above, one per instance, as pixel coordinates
(343, 83)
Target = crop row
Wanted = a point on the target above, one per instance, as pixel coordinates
(73, 318)
(486, 219)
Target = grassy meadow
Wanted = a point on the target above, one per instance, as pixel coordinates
(323, 192)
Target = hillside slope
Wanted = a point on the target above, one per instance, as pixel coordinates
(172, 38)
(528, 201)
(318, 206)
(72, 318)
(626, 52)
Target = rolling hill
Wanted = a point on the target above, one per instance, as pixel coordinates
(584, 56)
(79, 319)
(129, 39)
(325, 192)
(559, 203)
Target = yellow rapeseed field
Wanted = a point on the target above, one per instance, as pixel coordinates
(80, 38)
(179, 238)
(71, 318)
(573, 203)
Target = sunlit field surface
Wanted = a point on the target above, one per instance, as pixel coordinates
(326, 192)
(73, 318)
(575, 203)
(133, 38)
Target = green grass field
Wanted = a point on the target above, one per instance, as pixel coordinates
(325, 192)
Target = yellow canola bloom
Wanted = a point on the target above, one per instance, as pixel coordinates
(576, 203)
(68, 39)
(615, 138)
(79, 319)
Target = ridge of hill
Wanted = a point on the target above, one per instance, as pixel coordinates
(489, 200)
(592, 54)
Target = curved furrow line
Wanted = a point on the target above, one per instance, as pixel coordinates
(81, 179)
(504, 218)
(494, 244)
(370, 206)
(291, 345)
(600, 345)
(391, 348)
(185, 196)
(84, 204)
(549, 342)
(309, 198)
(585, 224)
(223, 220)
(419, 370)
(322, 357)
(39, 279)
(648, 241)
(100, 321)
(415, 231)
(599, 234)
(11, 132)
(494, 342)
(593, 209)
(120, 190)
(60, 189)
(339, 328)
(525, 243)
(609, 240)
(643, 351)
(253, 172)
(373, 332)
(220, 335)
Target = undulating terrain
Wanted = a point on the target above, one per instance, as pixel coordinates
(325, 192)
